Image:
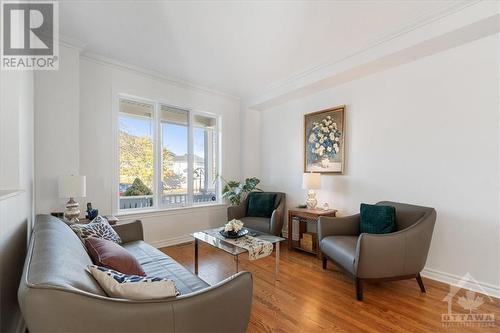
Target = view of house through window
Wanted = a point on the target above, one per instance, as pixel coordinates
(136, 154)
(179, 170)
(174, 145)
(205, 171)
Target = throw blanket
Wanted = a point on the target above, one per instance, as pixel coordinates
(257, 248)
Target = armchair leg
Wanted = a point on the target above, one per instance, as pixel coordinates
(359, 289)
(420, 283)
(324, 260)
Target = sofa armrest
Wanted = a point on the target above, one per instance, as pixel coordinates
(236, 212)
(130, 232)
(50, 309)
(338, 226)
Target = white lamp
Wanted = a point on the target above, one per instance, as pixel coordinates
(311, 181)
(72, 187)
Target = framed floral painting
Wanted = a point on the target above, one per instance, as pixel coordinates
(324, 137)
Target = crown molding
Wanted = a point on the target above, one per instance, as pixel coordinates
(450, 19)
(71, 43)
(102, 60)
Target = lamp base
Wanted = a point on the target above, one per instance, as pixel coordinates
(72, 212)
(311, 201)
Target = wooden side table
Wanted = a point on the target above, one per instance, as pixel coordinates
(305, 215)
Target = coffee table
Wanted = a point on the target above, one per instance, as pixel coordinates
(205, 237)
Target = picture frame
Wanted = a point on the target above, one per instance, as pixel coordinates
(324, 141)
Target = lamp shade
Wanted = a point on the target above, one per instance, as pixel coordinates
(311, 181)
(72, 186)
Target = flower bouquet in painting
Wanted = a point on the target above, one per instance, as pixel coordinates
(324, 141)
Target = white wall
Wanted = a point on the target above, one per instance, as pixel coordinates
(16, 188)
(250, 142)
(56, 128)
(85, 144)
(426, 133)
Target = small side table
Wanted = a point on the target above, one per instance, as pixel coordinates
(305, 215)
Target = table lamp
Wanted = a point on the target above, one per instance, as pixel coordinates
(72, 187)
(311, 181)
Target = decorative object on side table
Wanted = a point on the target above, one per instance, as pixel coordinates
(72, 187)
(234, 229)
(311, 181)
(305, 216)
(324, 136)
(91, 213)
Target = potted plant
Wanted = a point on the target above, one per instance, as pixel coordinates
(236, 191)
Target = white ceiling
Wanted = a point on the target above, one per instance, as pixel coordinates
(240, 47)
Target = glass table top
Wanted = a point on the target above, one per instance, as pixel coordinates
(218, 241)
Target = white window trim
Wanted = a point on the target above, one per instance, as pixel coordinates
(157, 149)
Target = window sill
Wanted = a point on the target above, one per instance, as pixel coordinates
(166, 211)
(5, 194)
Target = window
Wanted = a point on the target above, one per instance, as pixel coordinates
(168, 156)
(136, 154)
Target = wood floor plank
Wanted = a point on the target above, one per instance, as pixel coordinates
(309, 299)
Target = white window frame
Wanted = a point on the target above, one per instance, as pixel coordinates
(157, 137)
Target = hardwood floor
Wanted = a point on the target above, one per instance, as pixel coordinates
(308, 299)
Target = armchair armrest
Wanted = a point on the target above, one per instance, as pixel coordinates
(236, 212)
(276, 223)
(339, 226)
(130, 232)
(399, 253)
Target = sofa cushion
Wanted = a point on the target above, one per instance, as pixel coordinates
(134, 287)
(98, 227)
(377, 219)
(256, 223)
(156, 263)
(261, 204)
(111, 255)
(341, 249)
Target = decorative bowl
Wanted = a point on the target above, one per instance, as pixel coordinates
(232, 234)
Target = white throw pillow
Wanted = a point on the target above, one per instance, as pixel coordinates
(133, 287)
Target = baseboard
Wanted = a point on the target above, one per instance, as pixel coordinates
(455, 280)
(172, 241)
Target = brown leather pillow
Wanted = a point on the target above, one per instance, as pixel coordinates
(110, 254)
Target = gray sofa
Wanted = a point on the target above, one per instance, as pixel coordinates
(272, 225)
(57, 294)
(379, 257)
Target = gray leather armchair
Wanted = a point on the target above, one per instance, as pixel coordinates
(272, 225)
(394, 256)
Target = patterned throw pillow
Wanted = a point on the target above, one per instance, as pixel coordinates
(99, 228)
(133, 287)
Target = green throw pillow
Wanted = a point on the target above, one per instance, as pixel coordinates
(377, 219)
(260, 204)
